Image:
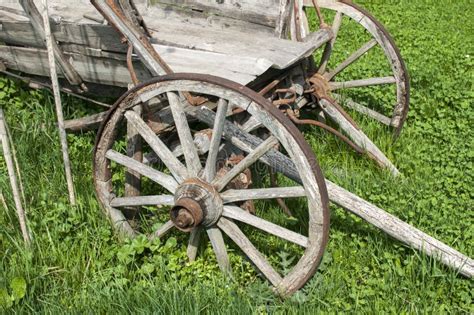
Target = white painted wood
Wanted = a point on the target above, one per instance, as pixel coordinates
(355, 56)
(217, 242)
(57, 103)
(239, 238)
(185, 136)
(236, 213)
(158, 200)
(161, 149)
(235, 195)
(4, 140)
(250, 159)
(211, 163)
(362, 83)
(167, 181)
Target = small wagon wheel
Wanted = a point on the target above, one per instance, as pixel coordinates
(330, 71)
(191, 183)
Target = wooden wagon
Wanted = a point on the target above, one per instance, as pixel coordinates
(215, 89)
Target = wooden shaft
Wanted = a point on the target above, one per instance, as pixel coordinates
(57, 102)
(388, 223)
(401, 230)
(13, 179)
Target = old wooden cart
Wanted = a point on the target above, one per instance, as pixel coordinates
(215, 89)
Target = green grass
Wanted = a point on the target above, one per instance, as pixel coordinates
(76, 264)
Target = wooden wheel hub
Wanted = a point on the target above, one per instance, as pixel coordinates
(196, 203)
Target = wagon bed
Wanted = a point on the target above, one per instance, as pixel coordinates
(188, 40)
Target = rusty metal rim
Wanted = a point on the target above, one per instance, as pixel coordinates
(280, 117)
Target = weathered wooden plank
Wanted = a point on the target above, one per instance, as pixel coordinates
(91, 35)
(112, 71)
(282, 53)
(202, 20)
(264, 12)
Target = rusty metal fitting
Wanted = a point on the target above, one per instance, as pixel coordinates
(196, 203)
(186, 214)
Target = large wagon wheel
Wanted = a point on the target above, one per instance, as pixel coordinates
(191, 183)
(379, 37)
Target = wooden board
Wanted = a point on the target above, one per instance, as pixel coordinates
(110, 68)
(264, 12)
(170, 28)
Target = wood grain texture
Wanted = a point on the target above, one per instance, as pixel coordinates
(236, 213)
(164, 200)
(217, 242)
(160, 178)
(175, 166)
(357, 136)
(239, 238)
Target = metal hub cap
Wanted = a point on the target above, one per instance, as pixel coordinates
(196, 203)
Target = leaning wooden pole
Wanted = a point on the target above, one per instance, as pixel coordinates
(57, 102)
(13, 179)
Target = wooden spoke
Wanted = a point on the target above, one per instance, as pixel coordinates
(359, 138)
(241, 215)
(167, 181)
(251, 158)
(362, 109)
(193, 244)
(336, 25)
(134, 150)
(239, 238)
(355, 56)
(162, 151)
(210, 169)
(181, 122)
(251, 124)
(362, 83)
(162, 230)
(235, 195)
(160, 200)
(217, 242)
